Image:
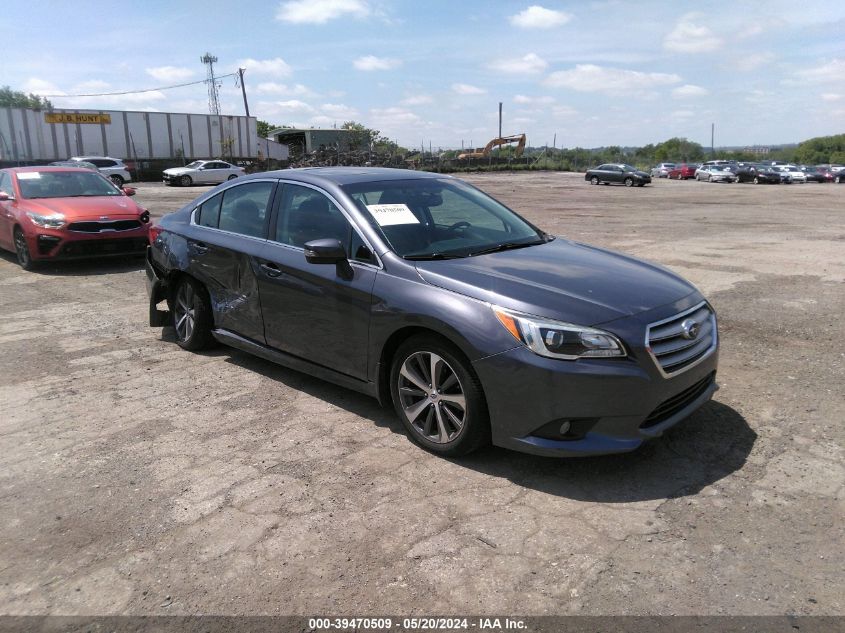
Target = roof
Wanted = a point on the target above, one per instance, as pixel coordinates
(349, 175)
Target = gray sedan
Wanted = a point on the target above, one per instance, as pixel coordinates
(424, 292)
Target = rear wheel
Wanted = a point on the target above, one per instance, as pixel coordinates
(438, 397)
(117, 179)
(22, 250)
(232, 177)
(185, 181)
(192, 318)
(594, 180)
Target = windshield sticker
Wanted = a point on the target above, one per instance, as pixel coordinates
(392, 214)
(29, 175)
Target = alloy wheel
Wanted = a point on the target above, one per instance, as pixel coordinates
(432, 397)
(22, 249)
(185, 312)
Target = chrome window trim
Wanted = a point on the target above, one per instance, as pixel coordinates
(675, 317)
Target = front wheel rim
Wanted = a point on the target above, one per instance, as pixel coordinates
(21, 248)
(185, 312)
(432, 397)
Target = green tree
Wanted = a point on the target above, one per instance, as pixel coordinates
(12, 99)
(822, 149)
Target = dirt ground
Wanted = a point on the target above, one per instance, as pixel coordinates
(136, 478)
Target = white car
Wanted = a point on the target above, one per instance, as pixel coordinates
(202, 172)
(795, 173)
(111, 168)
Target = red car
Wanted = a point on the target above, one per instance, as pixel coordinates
(52, 213)
(682, 172)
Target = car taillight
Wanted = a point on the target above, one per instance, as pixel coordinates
(155, 231)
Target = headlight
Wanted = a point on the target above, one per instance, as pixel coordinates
(55, 221)
(555, 339)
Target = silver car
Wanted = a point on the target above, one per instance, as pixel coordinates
(662, 170)
(714, 173)
(205, 172)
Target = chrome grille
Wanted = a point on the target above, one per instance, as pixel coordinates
(671, 344)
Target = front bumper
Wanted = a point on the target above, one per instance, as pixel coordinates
(60, 244)
(613, 405)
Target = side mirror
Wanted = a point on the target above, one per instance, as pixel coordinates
(5, 196)
(129, 191)
(325, 251)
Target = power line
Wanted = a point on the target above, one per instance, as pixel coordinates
(132, 92)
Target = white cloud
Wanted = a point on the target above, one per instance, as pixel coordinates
(529, 64)
(274, 88)
(834, 70)
(170, 74)
(525, 100)
(417, 100)
(320, 11)
(293, 106)
(747, 63)
(466, 89)
(537, 17)
(689, 37)
(41, 87)
(339, 111)
(276, 67)
(611, 81)
(371, 62)
(830, 96)
(688, 91)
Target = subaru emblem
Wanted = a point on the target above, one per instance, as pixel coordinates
(690, 329)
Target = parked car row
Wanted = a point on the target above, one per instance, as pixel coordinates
(776, 172)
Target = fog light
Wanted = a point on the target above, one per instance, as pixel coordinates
(564, 428)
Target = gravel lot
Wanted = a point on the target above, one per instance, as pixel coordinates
(136, 478)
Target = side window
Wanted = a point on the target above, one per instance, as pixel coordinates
(306, 214)
(245, 207)
(208, 213)
(359, 251)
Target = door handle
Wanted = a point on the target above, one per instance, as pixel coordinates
(198, 247)
(271, 270)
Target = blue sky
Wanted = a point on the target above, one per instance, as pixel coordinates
(591, 73)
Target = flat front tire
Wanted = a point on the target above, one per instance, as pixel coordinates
(438, 397)
(192, 317)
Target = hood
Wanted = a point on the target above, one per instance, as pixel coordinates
(115, 207)
(178, 171)
(561, 280)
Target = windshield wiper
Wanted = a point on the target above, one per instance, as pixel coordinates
(506, 246)
(431, 256)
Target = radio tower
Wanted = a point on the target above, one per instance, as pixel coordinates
(213, 98)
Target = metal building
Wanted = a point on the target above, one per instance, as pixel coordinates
(28, 135)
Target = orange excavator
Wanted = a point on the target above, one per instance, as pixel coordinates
(519, 139)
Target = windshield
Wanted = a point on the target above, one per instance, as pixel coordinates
(440, 218)
(196, 164)
(64, 184)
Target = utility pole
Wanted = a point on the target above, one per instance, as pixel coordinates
(500, 119)
(712, 138)
(243, 89)
(213, 96)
